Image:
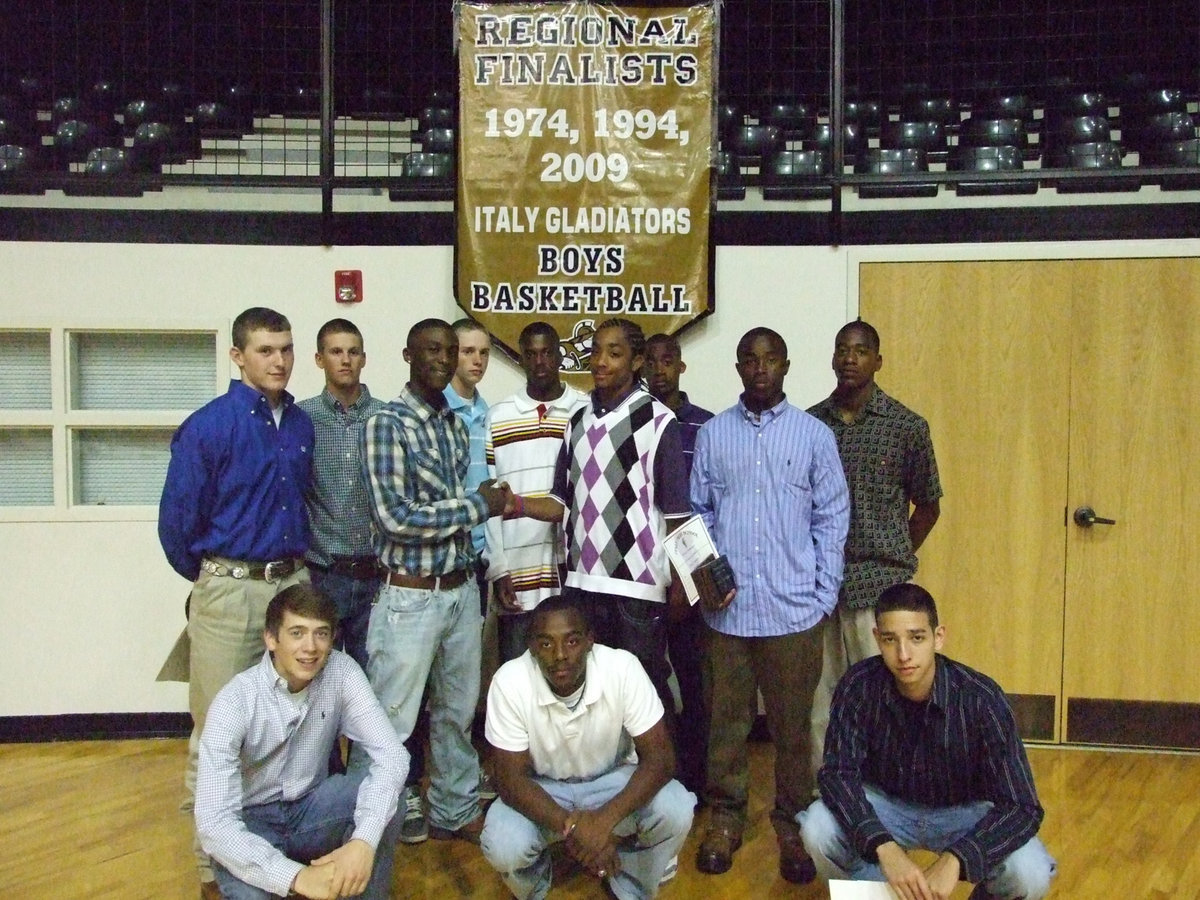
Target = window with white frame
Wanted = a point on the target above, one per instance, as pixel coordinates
(86, 415)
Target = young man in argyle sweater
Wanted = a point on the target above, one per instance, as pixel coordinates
(620, 488)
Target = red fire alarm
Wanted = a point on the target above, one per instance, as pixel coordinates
(347, 286)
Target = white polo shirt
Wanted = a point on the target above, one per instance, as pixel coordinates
(619, 703)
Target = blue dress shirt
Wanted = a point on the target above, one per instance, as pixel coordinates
(474, 415)
(235, 484)
(773, 496)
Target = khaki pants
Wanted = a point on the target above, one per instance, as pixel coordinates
(225, 627)
(849, 638)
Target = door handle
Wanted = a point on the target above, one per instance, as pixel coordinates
(1085, 517)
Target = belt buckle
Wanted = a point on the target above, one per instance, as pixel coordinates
(269, 570)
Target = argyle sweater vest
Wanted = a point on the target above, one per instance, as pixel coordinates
(615, 528)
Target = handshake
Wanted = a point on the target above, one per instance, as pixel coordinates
(501, 500)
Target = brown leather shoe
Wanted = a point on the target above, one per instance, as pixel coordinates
(469, 832)
(715, 855)
(795, 865)
(209, 891)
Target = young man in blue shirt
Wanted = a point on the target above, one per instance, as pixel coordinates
(232, 517)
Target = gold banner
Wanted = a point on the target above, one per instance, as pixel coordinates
(585, 148)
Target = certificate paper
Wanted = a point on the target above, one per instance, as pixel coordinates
(860, 890)
(688, 547)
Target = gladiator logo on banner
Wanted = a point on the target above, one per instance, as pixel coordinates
(585, 148)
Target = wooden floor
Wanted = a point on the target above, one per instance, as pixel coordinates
(100, 820)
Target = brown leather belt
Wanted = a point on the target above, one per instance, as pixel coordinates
(446, 582)
(275, 570)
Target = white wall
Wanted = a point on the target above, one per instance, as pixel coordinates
(89, 610)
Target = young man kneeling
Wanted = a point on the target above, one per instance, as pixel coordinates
(563, 720)
(267, 811)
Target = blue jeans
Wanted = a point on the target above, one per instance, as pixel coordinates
(636, 625)
(517, 847)
(305, 829)
(353, 598)
(513, 634)
(418, 637)
(1024, 873)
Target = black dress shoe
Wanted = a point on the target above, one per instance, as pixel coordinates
(715, 855)
(794, 863)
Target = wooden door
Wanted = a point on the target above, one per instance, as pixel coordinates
(1133, 588)
(976, 348)
(1052, 385)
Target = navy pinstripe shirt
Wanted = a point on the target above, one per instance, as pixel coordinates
(959, 746)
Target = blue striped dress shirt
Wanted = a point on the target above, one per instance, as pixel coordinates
(773, 496)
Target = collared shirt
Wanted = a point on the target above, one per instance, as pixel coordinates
(690, 418)
(771, 490)
(339, 510)
(260, 746)
(415, 461)
(235, 484)
(887, 455)
(619, 703)
(524, 439)
(958, 747)
(474, 415)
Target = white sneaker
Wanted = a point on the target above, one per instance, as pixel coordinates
(670, 871)
(487, 790)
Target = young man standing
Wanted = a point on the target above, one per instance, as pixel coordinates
(923, 751)
(426, 624)
(619, 485)
(232, 517)
(895, 493)
(273, 818)
(524, 436)
(685, 625)
(767, 480)
(564, 721)
(340, 558)
(462, 393)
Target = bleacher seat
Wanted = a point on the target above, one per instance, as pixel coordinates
(925, 108)
(989, 159)
(436, 140)
(1098, 155)
(928, 135)
(728, 174)
(424, 176)
(792, 118)
(894, 161)
(435, 117)
(14, 158)
(1184, 155)
(751, 144)
(74, 139)
(796, 175)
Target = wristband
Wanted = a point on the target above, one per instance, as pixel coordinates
(518, 507)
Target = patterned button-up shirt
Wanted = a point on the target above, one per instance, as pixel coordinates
(339, 510)
(415, 459)
(887, 455)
